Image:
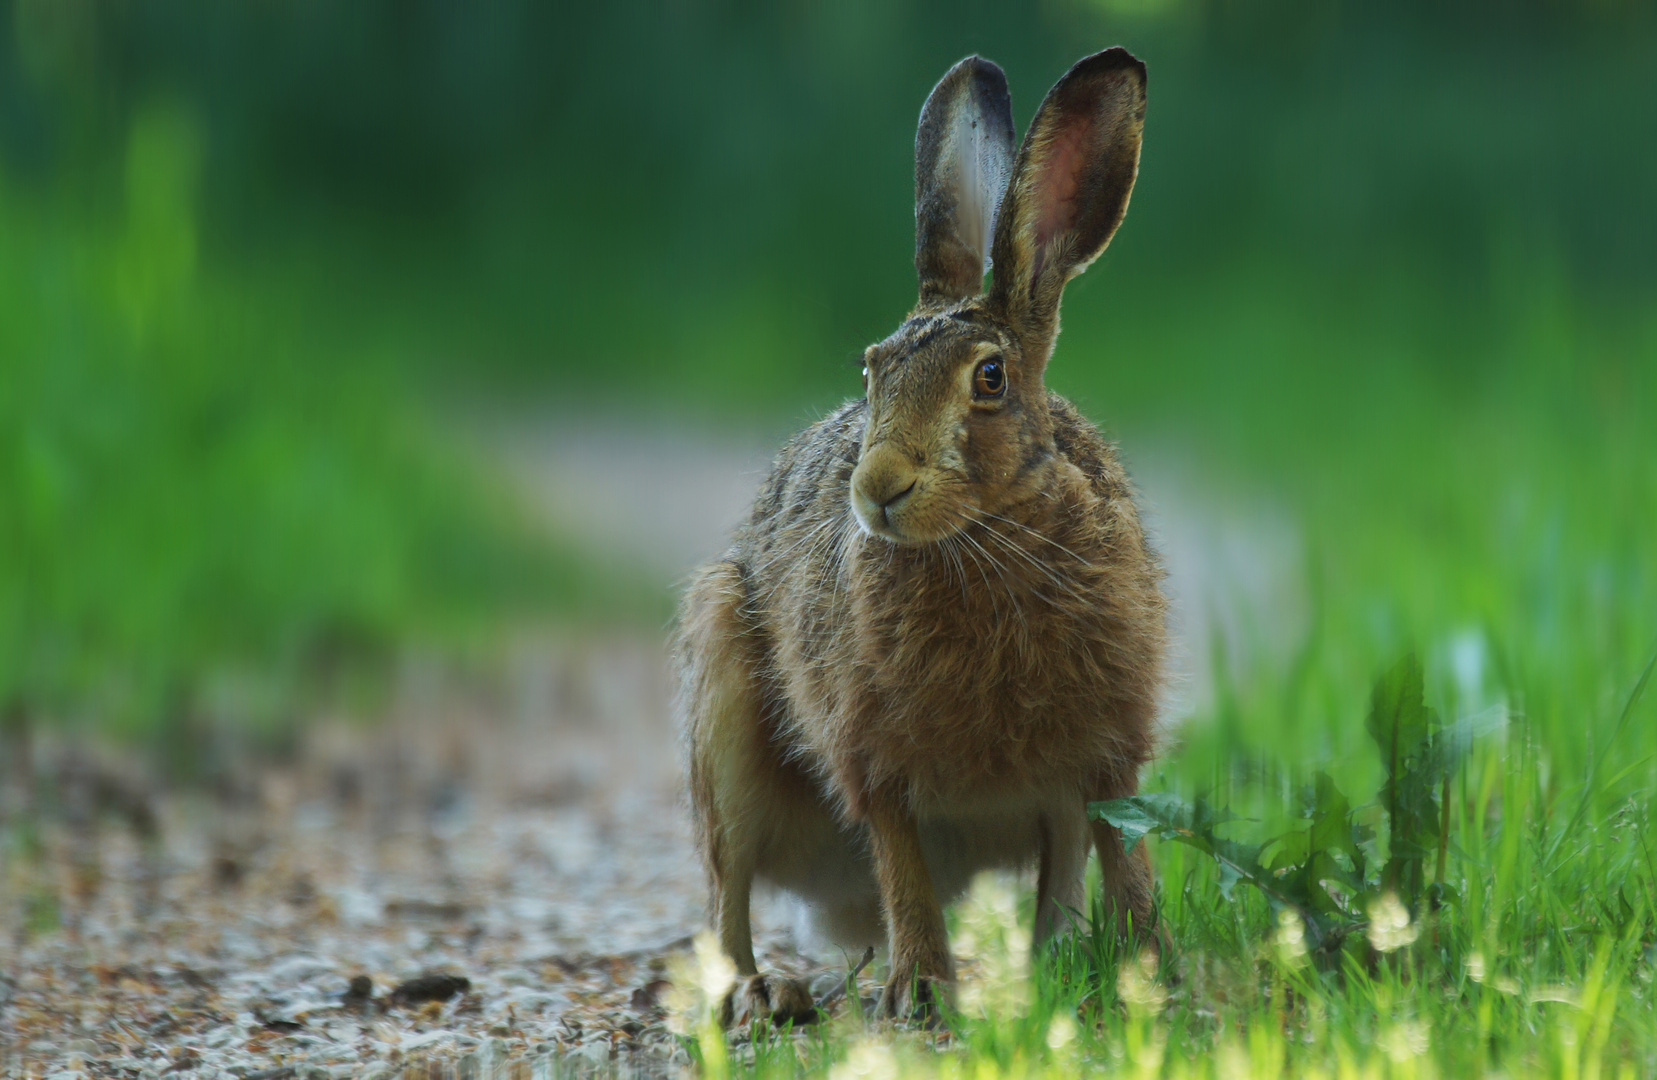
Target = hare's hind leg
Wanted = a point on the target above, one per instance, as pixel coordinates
(736, 786)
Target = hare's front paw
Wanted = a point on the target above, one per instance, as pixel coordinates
(914, 997)
(767, 997)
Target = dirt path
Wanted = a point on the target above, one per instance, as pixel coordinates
(517, 828)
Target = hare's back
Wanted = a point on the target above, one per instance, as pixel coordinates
(1084, 446)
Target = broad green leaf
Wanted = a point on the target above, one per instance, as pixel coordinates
(1190, 823)
(1332, 827)
(1292, 849)
(1159, 812)
(1137, 815)
(1416, 760)
(1399, 720)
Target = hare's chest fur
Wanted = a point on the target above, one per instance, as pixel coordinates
(970, 676)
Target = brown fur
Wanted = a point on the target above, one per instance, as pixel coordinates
(940, 632)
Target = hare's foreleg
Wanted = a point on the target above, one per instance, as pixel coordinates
(733, 782)
(1127, 884)
(1061, 881)
(1125, 879)
(921, 965)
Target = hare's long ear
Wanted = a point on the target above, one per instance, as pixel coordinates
(963, 154)
(1069, 190)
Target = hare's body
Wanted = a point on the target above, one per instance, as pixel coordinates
(940, 632)
(997, 685)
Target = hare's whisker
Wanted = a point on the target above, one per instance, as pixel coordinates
(1037, 534)
(1011, 544)
(1035, 564)
(795, 546)
(964, 554)
(947, 548)
(839, 561)
(995, 607)
(1001, 573)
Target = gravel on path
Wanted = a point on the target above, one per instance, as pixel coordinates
(521, 845)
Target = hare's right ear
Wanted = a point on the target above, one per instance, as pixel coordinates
(963, 154)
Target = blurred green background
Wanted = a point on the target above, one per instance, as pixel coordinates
(1390, 276)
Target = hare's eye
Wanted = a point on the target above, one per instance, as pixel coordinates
(989, 379)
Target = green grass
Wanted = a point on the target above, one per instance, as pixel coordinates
(206, 505)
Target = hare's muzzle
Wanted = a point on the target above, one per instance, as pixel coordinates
(883, 488)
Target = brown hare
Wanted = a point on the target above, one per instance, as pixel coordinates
(940, 632)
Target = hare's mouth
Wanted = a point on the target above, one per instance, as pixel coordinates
(910, 517)
(883, 519)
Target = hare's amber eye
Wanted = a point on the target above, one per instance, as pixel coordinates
(989, 379)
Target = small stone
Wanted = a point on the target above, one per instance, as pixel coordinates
(429, 986)
(358, 995)
(428, 1039)
(300, 967)
(596, 1052)
(649, 996)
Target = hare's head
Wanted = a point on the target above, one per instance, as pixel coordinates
(958, 425)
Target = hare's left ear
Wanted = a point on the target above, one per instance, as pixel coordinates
(963, 153)
(1069, 190)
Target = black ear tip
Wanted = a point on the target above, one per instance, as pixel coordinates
(1110, 60)
(985, 80)
(994, 93)
(984, 73)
